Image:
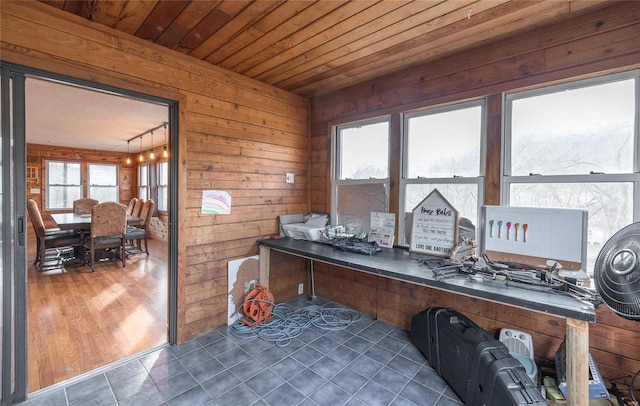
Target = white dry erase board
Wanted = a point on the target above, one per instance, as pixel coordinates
(526, 234)
(434, 228)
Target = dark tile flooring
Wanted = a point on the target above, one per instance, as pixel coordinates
(369, 363)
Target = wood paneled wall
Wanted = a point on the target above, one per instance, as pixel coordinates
(38, 154)
(603, 42)
(235, 134)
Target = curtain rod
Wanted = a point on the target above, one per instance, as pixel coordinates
(148, 131)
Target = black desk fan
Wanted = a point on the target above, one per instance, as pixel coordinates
(617, 276)
(617, 272)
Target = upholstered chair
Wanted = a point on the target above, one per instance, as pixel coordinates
(46, 239)
(84, 205)
(137, 208)
(108, 226)
(135, 234)
(131, 206)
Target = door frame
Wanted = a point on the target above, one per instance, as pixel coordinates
(14, 276)
(20, 294)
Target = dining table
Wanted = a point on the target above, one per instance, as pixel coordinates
(82, 222)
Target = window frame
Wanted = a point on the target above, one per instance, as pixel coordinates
(336, 181)
(116, 186)
(454, 180)
(147, 185)
(162, 203)
(48, 184)
(506, 179)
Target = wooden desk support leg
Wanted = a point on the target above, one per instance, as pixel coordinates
(264, 262)
(577, 346)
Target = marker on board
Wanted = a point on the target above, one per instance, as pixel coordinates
(508, 229)
(516, 226)
(500, 229)
(490, 228)
(525, 227)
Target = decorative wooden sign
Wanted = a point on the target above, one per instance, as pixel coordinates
(434, 228)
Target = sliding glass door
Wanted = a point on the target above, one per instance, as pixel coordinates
(13, 236)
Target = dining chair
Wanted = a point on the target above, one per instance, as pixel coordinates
(137, 208)
(131, 206)
(108, 227)
(84, 205)
(135, 234)
(47, 239)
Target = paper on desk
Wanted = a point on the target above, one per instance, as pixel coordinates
(317, 220)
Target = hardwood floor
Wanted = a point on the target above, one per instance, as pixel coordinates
(79, 320)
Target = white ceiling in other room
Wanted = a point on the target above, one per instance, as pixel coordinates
(59, 114)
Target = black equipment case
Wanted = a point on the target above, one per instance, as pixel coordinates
(476, 366)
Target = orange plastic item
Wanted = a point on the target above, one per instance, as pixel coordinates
(257, 306)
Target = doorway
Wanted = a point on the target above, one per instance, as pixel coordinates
(80, 320)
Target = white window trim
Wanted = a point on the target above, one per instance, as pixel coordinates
(147, 185)
(479, 180)
(335, 164)
(507, 179)
(163, 186)
(116, 186)
(47, 184)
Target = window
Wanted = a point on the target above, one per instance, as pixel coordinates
(143, 182)
(444, 150)
(163, 184)
(361, 174)
(103, 182)
(64, 184)
(576, 146)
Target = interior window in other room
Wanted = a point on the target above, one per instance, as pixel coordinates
(443, 149)
(143, 182)
(103, 182)
(64, 184)
(577, 145)
(163, 185)
(361, 174)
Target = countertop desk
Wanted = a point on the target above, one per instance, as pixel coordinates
(397, 264)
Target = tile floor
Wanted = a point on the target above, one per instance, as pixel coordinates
(369, 363)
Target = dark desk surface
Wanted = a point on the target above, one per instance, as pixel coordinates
(73, 221)
(396, 263)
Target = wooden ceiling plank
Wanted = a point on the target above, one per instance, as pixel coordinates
(582, 26)
(210, 24)
(108, 12)
(190, 17)
(281, 33)
(493, 25)
(223, 15)
(283, 15)
(264, 33)
(162, 15)
(54, 3)
(338, 35)
(415, 25)
(328, 26)
(81, 8)
(242, 30)
(134, 14)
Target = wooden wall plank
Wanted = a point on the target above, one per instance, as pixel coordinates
(268, 126)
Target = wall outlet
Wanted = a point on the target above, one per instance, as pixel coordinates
(301, 288)
(290, 177)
